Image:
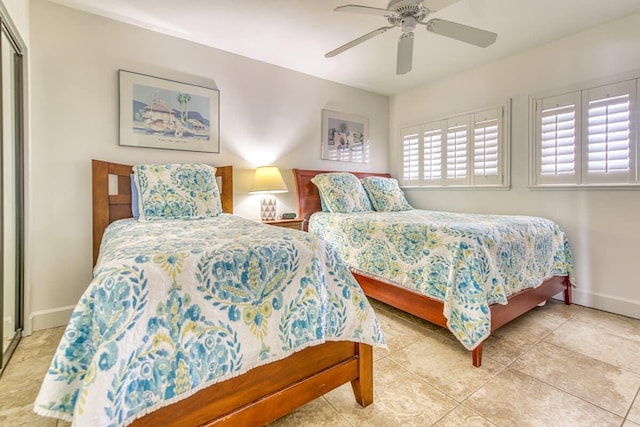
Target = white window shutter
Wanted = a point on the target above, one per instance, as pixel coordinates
(486, 147)
(608, 125)
(557, 139)
(465, 150)
(411, 162)
(457, 150)
(588, 137)
(432, 152)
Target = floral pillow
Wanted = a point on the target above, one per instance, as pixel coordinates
(342, 192)
(177, 191)
(385, 194)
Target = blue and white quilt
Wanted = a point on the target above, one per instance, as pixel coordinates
(467, 261)
(177, 305)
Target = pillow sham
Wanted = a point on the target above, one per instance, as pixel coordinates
(385, 194)
(177, 191)
(342, 192)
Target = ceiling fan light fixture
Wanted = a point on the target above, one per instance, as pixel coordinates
(409, 24)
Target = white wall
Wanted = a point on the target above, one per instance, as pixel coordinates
(268, 115)
(603, 226)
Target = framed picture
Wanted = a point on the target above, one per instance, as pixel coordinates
(345, 137)
(160, 113)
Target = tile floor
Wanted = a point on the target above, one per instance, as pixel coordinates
(555, 366)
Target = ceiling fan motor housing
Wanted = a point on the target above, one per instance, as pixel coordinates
(407, 9)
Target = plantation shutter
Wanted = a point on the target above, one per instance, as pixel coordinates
(432, 152)
(463, 150)
(557, 139)
(486, 142)
(411, 156)
(457, 148)
(608, 155)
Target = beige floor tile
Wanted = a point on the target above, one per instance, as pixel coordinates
(634, 413)
(628, 423)
(37, 344)
(447, 366)
(558, 308)
(21, 381)
(13, 395)
(400, 399)
(615, 324)
(24, 416)
(516, 399)
(605, 385)
(595, 340)
(518, 336)
(463, 416)
(399, 333)
(33, 367)
(317, 413)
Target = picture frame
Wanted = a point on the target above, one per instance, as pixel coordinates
(345, 137)
(167, 114)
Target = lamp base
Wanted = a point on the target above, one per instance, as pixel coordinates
(268, 208)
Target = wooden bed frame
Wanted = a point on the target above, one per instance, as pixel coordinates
(262, 394)
(415, 303)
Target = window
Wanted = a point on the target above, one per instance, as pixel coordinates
(587, 137)
(464, 150)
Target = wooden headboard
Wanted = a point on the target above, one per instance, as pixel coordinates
(307, 192)
(110, 207)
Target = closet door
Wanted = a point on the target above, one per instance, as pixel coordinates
(11, 196)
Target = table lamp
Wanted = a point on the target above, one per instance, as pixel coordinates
(268, 180)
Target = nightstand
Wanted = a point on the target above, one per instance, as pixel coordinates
(295, 223)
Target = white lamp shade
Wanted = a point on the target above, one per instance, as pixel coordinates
(268, 179)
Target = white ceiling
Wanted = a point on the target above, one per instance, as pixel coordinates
(296, 34)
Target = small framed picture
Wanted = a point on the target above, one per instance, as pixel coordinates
(160, 113)
(345, 137)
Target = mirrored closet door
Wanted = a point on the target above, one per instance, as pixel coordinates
(11, 194)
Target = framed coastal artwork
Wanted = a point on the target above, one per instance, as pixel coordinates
(160, 113)
(345, 137)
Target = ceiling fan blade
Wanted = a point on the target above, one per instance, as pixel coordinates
(461, 32)
(364, 9)
(357, 41)
(405, 53)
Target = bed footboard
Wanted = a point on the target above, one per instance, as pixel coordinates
(268, 392)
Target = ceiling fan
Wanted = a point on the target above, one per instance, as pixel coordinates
(407, 14)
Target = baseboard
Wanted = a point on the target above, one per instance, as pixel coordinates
(52, 318)
(624, 307)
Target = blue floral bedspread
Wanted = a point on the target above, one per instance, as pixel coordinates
(175, 306)
(467, 261)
